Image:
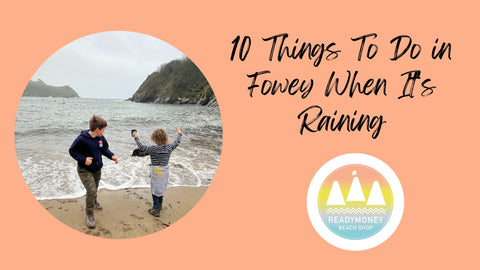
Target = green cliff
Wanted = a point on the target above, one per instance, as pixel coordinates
(177, 82)
(40, 89)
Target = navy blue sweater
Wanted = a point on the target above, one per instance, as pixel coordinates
(86, 146)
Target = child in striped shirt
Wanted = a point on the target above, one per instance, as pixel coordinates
(159, 170)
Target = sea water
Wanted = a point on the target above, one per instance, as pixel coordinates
(46, 127)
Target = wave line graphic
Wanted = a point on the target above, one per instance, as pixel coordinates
(356, 211)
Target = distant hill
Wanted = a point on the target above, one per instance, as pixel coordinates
(39, 88)
(177, 82)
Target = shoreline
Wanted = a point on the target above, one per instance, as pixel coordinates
(125, 212)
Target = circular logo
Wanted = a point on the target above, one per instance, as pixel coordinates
(355, 201)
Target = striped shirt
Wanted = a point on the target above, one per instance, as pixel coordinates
(159, 154)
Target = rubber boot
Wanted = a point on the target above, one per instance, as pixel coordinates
(90, 220)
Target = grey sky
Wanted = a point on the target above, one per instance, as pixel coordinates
(106, 65)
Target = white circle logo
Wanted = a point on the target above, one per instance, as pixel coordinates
(355, 202)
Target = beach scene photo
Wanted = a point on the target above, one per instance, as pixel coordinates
(134, 82)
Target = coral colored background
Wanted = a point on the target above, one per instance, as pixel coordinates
(254, 214)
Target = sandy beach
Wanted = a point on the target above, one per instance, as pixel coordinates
(124, 213)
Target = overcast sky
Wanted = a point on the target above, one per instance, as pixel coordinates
(106, 65)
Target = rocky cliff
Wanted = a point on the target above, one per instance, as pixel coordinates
(41, 89)
(177, 82)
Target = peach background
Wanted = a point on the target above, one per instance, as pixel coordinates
(254, 214)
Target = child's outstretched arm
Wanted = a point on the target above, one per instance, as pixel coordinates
(177, 140)
(141, 147)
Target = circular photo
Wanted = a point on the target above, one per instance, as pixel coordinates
(118, 135)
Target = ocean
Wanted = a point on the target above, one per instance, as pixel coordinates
(46, 127)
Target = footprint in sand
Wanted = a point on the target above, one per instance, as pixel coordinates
(127, 227)
(103, 232)
(137, 217)
(99, 232)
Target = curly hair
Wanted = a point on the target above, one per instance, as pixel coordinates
(159, 136)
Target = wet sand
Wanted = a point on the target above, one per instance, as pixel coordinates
(125, 212)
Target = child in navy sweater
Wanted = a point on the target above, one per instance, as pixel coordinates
(87, 150)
